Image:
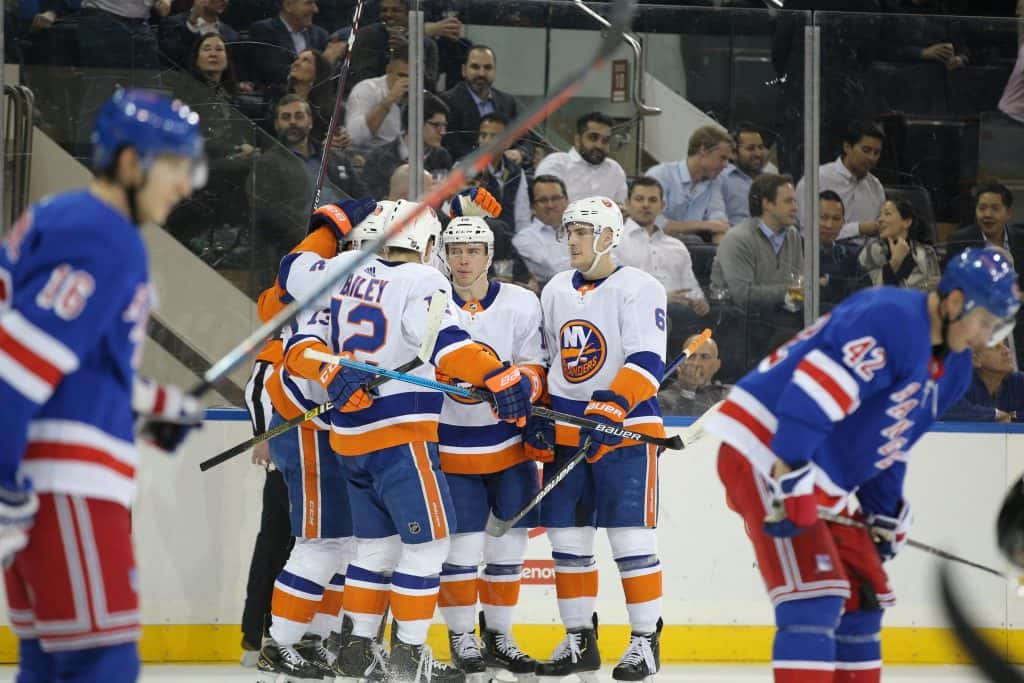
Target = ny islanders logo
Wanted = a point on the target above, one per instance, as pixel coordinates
(583, 350)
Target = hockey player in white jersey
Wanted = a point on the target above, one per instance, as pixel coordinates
(402, 512)
(485, 462)
(607, 326)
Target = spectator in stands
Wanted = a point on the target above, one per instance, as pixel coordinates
(382, 161)
(398, 185)
(473, 98)
(758, 259)
(309, 77)
(284, 180)
(178, 32)
(924, 37)
(284, 37)
(376, 44)
(115, 34)
(839, 270)
(373, 108)
(850, 177)
(504, 177)
(899, 256)
(993, 209)
(996, 393)
(694, 206)
(586, 169)
(208, 63)
(1011, 103)
(694, 390)
(538, 243)
(751, 161)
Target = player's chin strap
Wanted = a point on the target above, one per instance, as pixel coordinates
(597, 255)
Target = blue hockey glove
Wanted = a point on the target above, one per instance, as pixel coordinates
(354, 211)
(18, 507)
(890, 533)
(511, 390)
(539, 439)
(346, 386)
(797, 509)
(475, 201)
(609, 408)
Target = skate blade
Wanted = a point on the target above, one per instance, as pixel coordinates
(482, 677)
(499, 675)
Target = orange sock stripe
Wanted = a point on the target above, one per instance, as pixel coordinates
(292, 607)
(576, 585)
(310, 483)
(332, 603)
(365, 600)
(499, 593)
(431, 490)
(413, 607)
(642, 588)
(457, 593)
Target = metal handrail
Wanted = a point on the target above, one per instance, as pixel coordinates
(18, 129)
(642, 108)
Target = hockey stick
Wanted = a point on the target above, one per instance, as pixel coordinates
(336, 114)
(938, 552)
(499, 527)
(435, 313)
(621, 13)
(681, 358)
(675, 443)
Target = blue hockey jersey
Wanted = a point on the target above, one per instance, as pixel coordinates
(74, 301)
(851, 393)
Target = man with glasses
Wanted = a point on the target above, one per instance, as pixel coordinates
(694, 389)
(383, 161)
(538, 243)
(586, 169)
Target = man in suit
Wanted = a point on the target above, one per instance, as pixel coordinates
(993, 209)
(473, 97)
(284, 37)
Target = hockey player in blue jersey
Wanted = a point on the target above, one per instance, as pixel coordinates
(830, 415)
(74, 301)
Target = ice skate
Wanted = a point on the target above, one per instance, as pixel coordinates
(416, 664)
(642, 659)
(503, 657)
(315, 651)
(576, 654)
(283, 664)
(465, 649)
(359, 660)
(335, 640)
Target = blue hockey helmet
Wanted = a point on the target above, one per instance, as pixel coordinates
(987, 281)
(152, 124)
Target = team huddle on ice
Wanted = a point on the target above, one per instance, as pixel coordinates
(391, 491)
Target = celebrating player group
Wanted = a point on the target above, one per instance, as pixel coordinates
(391, 487)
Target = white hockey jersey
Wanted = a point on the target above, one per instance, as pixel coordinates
(605, 334)
(507, 320)
(378, 314)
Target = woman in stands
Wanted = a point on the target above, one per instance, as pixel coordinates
(209, 64)
(901, 254)
(310, 78)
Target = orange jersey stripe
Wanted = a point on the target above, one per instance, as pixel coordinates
(332, 603)
(642, 588)
(296, 363)
(499, 593)
(273, 352)
(575, 584)
(651, 494)
(568, 435)
(383, 437)
(431, 491)
(310, 484)
(279, 398)
(632, 386)
(286, 606)
(323, 242)
(457, 593)
(365, 600)
(481, 463)
(413, 607)
(469, 363)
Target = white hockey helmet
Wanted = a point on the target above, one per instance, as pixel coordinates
(372, 226)
(601, 213)
(416, 235)
(467, 230)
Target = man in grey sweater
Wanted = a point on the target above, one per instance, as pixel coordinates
(761, 257)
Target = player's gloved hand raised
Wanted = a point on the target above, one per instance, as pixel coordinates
(18, 507)
(890, 533)
(610, 409)
(346, 386)
(511, 391)
(539, 439)
(169, 413)
(797, 508)
(475, 201)
(354, 211)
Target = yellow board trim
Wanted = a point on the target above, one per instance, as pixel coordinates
(679, 644)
